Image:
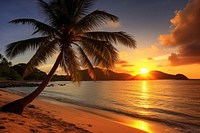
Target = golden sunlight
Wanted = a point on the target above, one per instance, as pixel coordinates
(144, 71)
(142, 125)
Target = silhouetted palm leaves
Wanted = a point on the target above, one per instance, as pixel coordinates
(67, 27)
(70, 31)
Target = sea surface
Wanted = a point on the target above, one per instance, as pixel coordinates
(175, 103)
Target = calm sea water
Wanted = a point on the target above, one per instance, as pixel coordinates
(175, 103)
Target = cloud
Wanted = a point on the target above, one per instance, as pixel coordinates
(127, 65)
(188, 54)
(124, 63)
(185, 35)
(150, 58)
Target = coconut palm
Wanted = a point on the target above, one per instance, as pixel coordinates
(1, 56)
(4, 62)
(70, 31)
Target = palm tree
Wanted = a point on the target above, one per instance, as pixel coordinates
(4, 62)
(1, 56)
(69, 31)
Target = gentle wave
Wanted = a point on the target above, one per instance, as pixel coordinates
(173, 103)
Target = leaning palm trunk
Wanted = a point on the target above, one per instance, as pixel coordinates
(71, 31)
(17, 106)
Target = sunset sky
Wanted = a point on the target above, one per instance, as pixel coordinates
(167, 33)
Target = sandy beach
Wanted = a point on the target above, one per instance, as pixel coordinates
(44, 116)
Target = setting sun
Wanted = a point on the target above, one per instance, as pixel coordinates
(133, 70)
(144, 70)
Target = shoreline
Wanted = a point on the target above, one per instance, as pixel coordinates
(6, 84)
(79, 119)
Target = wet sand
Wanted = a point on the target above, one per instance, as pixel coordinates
(47, 116)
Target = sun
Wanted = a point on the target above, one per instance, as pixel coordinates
(144, 71)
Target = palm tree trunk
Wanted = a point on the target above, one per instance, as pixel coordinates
(17, 106)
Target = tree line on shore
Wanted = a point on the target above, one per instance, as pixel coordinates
(15, 72)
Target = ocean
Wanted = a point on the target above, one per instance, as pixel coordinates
(175, 103)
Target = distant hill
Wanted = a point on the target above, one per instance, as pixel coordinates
(153, 75)
(105, 75)
(110, 75)
(16, 73)
(35, 75)
(99, 75)
(9, 72)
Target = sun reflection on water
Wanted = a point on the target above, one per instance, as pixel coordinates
(140, 125)
(144, 86)
(144, 97)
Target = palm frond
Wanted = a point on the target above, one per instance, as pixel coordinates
(114, 37)
(40, 57)
(102, 53)
(73, 9)
(37, 25)
(94, 20)
(60, 12)
(19, 47)
(84, 7)
(61, 8)
(49, 13)
(70, 64)
(85, 62)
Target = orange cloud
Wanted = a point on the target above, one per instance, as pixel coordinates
(121, 62)
(188, 54)
(124, 63)
(127, 65)
(185, 35)
(150, 58)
